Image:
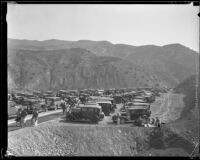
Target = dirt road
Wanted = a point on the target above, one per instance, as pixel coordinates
(43, 117)
(168, 107)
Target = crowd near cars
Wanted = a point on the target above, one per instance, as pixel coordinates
(89, 104)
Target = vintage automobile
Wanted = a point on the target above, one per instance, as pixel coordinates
(85, 113)
(98, 99)
(53, 103)
(12, 109)
(30, 104)
(106, 107)
(118, 99)
(73, 92)
(48, 94)
(102, 115)
(38, 94)
(30, 96)
(62, 93)
(132, 114)
(42, 105)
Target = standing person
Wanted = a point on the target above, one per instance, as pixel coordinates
(23, 117)
(152, 121)
(157, 122)
(18, 118)
(34, 118)
(118, 118)
(63, 106)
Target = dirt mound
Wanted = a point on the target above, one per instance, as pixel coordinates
(58, 139)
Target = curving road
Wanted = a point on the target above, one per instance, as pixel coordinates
(168, 107)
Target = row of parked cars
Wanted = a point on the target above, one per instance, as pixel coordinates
(136, 106)
(49, 100)
(106, 99)
(29, 101)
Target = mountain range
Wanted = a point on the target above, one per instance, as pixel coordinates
(58, 64)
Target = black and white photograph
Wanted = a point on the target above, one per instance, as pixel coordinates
(102, 80)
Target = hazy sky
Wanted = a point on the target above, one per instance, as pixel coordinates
(128, 24)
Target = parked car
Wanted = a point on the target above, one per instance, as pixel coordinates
(53, 103)
(118, 99)
(130, 115)
(38, 94)
(48, 94)
(106, 107)
(102, 115)
(12, 109)
(30, 104)
(90, 113)
(62, 93)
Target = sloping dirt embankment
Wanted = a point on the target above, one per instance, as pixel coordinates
(60, 139)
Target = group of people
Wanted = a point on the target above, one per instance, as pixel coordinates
(67, 103)
(22, 114)
(154, 122)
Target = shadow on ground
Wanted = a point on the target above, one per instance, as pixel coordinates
(164, 139)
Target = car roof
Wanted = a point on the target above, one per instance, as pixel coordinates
(138, 103)
(48, 91)
(91, 103)
(108, 102)
(53, 98)
(37, 92)
(63, 91)
(30, 100)
(91, 106)
(137, 107)
(142, 100)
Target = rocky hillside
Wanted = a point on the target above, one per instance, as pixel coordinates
(188, 123)
(170, 64)
(74, 68)
(188, 88)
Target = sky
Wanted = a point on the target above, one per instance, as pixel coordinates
(128, 24)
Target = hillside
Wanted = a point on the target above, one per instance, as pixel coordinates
(171, 63)
(188, 123)
(74, 68)
(59, 139)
